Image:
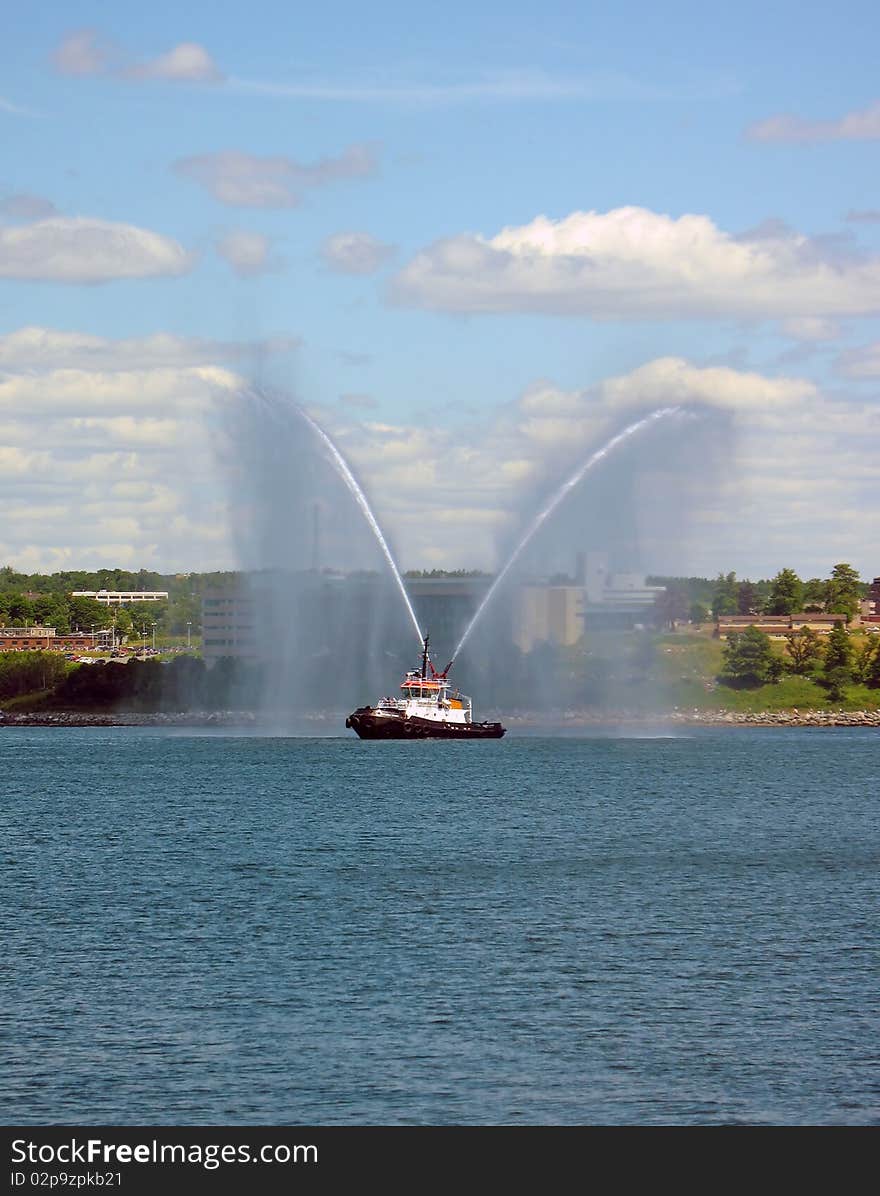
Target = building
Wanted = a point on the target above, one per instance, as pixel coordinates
(229, 624)
(46, 639)
(122, 597)
(548, 614)
(777, 626)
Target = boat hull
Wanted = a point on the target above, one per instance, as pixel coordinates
(369, 724)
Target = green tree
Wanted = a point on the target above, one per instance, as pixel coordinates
(814, 594)
(20, 610)
(837, 668)
(86, 613)
(786, 593)
(843, 591)
(748, 600)
(123, 623)
(699, 613)
(864, 661)
(805, 650)
(872, 675)
(749, 660)
(724, 595)
(838, 650)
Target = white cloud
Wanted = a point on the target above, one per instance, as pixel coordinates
(107, 448)
(187, 62)
(81, 53)
(247, 253)
(82, 250)
(430, 481)
(250, 181)
(37, 349)
(355, 253)
(862, 125)
(107, 455)
(631, 263)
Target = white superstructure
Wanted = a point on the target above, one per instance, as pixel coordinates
(428, 697)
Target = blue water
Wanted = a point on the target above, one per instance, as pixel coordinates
(211, 929)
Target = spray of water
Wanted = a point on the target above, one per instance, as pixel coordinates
(562, 493)
(342, 468)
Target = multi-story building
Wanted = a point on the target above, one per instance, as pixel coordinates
(548, 614)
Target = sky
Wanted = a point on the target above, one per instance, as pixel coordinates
(472, 240)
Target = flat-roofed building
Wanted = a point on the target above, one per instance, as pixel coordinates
(548, 614)
(46, 639)
(122, 597)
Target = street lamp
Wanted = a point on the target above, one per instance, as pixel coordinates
(154, 637)
(188, 636)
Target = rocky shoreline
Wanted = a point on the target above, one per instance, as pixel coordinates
(569, 720)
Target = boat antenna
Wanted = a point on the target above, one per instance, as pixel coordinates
(425, 658)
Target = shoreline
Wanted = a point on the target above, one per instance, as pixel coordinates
(567, 720)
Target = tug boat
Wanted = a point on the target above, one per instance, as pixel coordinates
(430, 708)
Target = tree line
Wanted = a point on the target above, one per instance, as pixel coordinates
(697, 599)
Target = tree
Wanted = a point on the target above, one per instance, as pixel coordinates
(872, 674)
(865, 661)
(748, 599)
(725, 595)
(814, 594)
(699, 613)
(20, 611)
(838, 650)
(670, 607)
(843, 591)
(86, 613)
(837, 669)
(749, 659)
(804, 649)
(786, 593)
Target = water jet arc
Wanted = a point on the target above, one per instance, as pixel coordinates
(564, 490)
(341, 466)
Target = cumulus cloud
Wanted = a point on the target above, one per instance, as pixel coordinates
(35, 349)
(106, 455)
(355, 253)
(862, 125)
(632, 263)
(429, 482)
(247, 253)
(84, 53)
(83, 250)
(250, 181)
(187, 62)
(107, 448)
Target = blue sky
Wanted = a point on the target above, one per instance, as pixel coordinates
(338, 182)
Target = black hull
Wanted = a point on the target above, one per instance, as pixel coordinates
(370, 725)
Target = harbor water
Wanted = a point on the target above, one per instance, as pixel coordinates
(222, 929)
